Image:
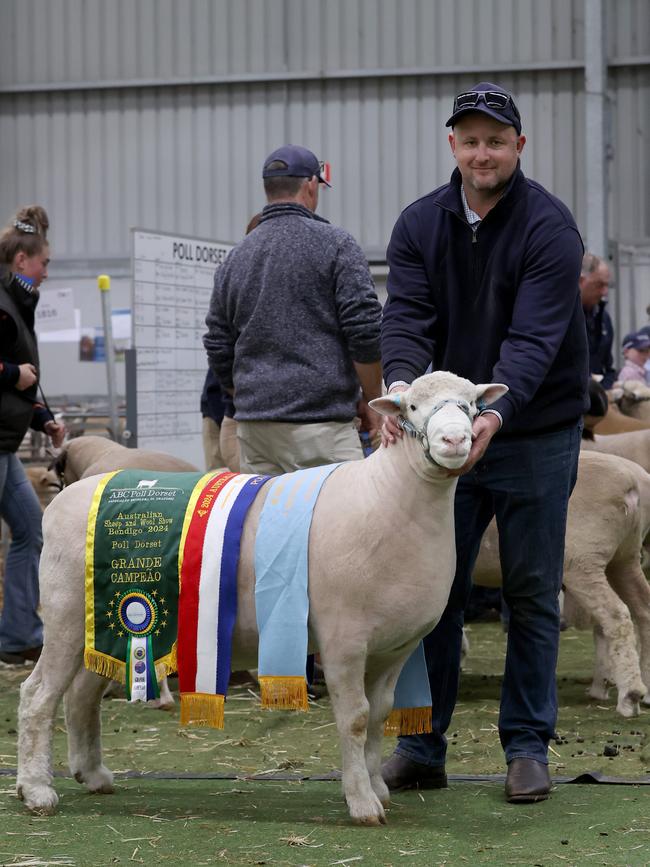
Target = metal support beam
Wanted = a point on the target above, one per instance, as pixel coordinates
(262, 78)
(285, 77)
(595, 144)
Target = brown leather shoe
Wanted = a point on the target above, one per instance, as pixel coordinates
(400, 773)
(527, 781)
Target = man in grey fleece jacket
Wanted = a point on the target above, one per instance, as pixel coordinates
(293, 328)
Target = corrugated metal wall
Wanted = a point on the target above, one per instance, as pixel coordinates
(629, 175)
(158, 113)
(100, 41)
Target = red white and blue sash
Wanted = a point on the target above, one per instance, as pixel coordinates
(208, 594)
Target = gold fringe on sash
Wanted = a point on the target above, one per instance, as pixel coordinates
(164, 667)
(108, 666)
(284, 692)
(202, 709)
(408, 721)
(167, 664)
(105, 665)
(172, 665)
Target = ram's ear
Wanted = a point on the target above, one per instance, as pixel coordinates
(389, 404)
(487, 393)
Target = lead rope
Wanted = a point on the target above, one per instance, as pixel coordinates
(45, 403)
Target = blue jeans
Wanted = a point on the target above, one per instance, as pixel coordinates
(20, 625)
(526, 482)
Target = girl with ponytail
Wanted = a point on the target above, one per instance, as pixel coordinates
(24, 257)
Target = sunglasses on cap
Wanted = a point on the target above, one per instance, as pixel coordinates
(324, 173)
(491, 98)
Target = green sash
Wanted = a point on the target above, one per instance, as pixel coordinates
(136, 528)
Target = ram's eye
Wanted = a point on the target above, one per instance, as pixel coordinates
(412, 406)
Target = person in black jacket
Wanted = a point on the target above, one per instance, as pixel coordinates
(220, 443)
(24, 256)
(594, 286)
(483, 281)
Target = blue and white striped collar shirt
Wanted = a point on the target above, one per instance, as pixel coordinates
(474, 222)
(471, 216)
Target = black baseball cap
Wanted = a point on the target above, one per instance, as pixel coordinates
(299, 162)
(491, 99)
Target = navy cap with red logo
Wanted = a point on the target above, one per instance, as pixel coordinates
(298, 162)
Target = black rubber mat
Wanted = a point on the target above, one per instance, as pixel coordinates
(586, 778)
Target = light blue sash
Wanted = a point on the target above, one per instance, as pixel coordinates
(412, 689)
(282, 605)
(281, 568)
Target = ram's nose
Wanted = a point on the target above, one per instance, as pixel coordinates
(455, 439)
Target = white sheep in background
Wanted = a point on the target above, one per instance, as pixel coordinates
(370, 603)
(88, 455)
(616, 422)
(633, 445)
(633, 399)
(627, 409)
(45, 482)
(605, 588)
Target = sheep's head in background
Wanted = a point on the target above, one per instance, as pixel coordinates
(45, 482)
(633, 399)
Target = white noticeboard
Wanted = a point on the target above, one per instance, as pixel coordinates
(172, 283)
(55, 311)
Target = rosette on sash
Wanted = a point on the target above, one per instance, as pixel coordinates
(132, 549)
(137, 613)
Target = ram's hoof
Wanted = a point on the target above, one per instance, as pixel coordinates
(38, 799)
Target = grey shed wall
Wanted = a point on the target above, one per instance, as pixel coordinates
(158, 113)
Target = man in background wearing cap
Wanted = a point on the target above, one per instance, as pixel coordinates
(636, 351)
(594, 285)
(293, 328)
(646, 330)
(483, 282)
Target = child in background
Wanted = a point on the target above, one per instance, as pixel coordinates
(636, 351)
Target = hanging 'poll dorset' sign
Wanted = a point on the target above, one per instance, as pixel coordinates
(172, 283)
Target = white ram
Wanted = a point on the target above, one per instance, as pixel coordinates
(369, 604)
(605, 588)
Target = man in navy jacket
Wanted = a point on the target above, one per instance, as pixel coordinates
(594, 286)
(483, 282)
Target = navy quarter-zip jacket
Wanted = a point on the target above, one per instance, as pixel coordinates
(498, 305)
